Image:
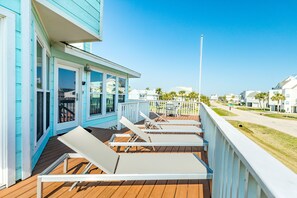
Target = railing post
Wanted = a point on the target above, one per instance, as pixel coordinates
(119, 126)
(137, 112)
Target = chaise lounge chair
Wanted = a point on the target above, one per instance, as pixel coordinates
(123, 166)
(169, 128)
(170, 122)
(155, 139)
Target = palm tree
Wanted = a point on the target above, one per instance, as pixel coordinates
(279, 98)
(182, 94)
(173, 94)
(193, 95)
(147, 88)
(159, 92)
(259, 96)
(265, 99)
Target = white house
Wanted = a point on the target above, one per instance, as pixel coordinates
(136, 94)
(232, 98)
(248, 98)
(288, 88)
(214, 97)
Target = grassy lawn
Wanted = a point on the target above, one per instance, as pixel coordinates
(282, 146)
(223, 112)
(251, 109)
(282, 116)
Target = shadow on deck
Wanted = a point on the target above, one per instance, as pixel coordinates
(54, 149)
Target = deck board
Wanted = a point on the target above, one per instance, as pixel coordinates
(54, 149)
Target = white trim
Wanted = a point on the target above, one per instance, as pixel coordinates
(99, 60)
(59, 63)
(26, 90)
(53, 8)
(44, 90)
(7, 99)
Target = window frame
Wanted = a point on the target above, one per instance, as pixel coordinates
(45, 53)
(125, 89)
(116, 93)
(89, 116)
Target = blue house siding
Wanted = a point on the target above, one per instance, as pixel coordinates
(14, 6)
(86, 12)
(36, 25)
(87, 47)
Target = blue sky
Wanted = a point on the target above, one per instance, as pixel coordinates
(247, 44)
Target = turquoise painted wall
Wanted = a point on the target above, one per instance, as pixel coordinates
(85, 122)
(37, 25)
(86, 12)
(14, 6)
(88, 47)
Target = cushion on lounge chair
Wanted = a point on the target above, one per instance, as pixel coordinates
(91, 148)
(135, 129)
(160, 163)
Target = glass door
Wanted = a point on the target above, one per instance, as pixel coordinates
(68, 97)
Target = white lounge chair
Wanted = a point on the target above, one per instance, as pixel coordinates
(121, 166)
(170, 122)
(155, 139)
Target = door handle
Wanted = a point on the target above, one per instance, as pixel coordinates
(76, 98)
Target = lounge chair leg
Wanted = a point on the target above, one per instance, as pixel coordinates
(205, 148)
(39, 188)
(65, 165)
(87, 168)
(154, 148)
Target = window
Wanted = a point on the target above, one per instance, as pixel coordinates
(121, 90)
(96, 85)
(47, 124)
(110, 93)
(39, 107)
(42, 90)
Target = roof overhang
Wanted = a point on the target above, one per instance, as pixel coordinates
(60, 27)
(97, 60)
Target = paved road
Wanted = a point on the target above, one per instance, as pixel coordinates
(286, 126)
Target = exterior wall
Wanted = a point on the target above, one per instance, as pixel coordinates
(289, 104)
(38, 31)
(86, 12)
(14, 6)
(106, 120)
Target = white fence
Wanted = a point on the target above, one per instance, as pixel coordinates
(241, 168)
(180, 107)
(131, 111)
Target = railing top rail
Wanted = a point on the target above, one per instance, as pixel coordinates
(134, 102)
(172, 101)
(275, 178)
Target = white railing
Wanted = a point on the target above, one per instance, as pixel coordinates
(242, 168)
(180, 107)
(131, 111)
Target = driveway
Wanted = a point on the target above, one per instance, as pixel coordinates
(285, 126)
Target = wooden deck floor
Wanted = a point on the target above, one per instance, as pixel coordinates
(54, 149)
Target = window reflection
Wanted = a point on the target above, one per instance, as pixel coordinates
(111, 93)
(96, 80)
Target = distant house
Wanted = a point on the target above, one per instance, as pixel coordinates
(136, 94)
(248, 98)
(214, 97)
(187, 90)
(48, 85)
(288, 88)
(233, 98)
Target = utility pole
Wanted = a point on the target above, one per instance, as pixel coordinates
(200, 70)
